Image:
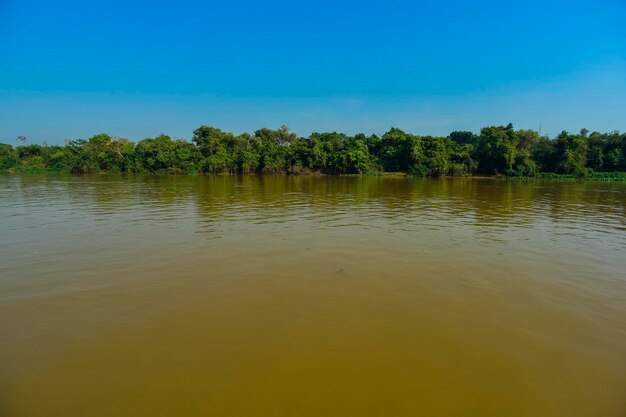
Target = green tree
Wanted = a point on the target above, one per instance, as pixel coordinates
(496, 150)
(571, 152)
(8, 156)
(216, 148)
(437, 152)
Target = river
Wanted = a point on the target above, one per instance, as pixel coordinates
(311, 296)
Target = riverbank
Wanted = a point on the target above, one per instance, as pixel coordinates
(496, 150)
(592, 176)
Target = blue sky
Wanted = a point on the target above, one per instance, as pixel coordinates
(69, 69)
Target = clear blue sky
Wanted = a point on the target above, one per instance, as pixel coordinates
(69, 69)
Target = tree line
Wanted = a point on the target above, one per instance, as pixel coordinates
(496, 150)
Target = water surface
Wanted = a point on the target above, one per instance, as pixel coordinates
(311, 296)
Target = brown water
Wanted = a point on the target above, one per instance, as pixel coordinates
(311, 296)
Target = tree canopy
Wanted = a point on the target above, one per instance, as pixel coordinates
(496, 150)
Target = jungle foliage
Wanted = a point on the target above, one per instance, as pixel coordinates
(496, 150)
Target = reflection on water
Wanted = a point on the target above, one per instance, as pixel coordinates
(311, 296)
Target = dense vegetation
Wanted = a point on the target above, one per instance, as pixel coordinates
(496, 150)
